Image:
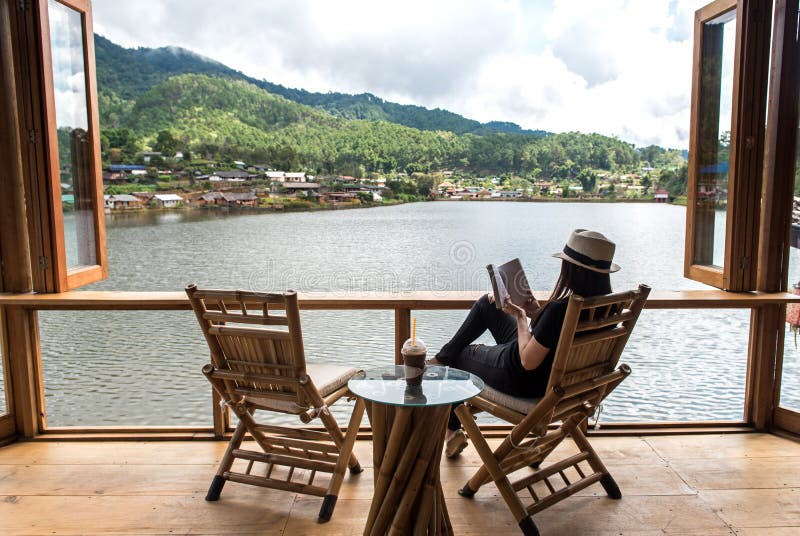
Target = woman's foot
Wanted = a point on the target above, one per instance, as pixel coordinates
(455, 442)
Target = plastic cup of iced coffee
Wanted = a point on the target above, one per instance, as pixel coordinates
(414, 352)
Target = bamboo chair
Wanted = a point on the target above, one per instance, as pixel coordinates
(584, 372)
(256, 366)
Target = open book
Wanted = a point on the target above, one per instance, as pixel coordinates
(510, 284)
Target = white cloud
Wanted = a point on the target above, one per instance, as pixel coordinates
(614, 66)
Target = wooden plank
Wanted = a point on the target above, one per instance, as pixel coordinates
(106, 488)
(779, 174)
(729, 473)
(125, 479)
(22, 355)
(756, 507)
(178, 301)
(16, 274)
(179, 514)
(766, 338)
(712, 447)
(402, 331)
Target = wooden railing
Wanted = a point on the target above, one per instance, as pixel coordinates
(401, 302)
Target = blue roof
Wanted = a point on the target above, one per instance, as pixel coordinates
(125, 167)
(721, 167)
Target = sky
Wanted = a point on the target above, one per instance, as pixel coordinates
(617, 67)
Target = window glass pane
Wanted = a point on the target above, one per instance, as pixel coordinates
(713, 144)
(790, 377)
(136, 368)
(699, 376)
(3, 398)
(74, 140)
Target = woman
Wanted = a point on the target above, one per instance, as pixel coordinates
(519, 364)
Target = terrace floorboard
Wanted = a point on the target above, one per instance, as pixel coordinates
(715, 484)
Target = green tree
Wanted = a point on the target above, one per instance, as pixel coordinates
(646, 182)
(588, 180)
(166, 143)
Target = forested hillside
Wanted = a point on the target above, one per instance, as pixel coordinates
(172, 100)
(128, 73)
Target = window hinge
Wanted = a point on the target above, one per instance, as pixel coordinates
(44, 263)
(33, 136)
(23, 5)
(743, 262)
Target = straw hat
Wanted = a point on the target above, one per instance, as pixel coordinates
(590, 250)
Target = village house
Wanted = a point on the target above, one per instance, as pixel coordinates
(122, 171)
(576, 189)
(257, 168)
(291, 188)
(240, 199)
(340, 197)
(121, 202)
(446, 187)
(294, 177)
(635, 190)
(231, 176)
(507, 194)
(210, 198)
(149, 155)
(276, 176)
(167, 200)
(661, 196)
(544, 186)
(143, 197)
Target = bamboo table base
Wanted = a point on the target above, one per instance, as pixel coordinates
(407, 449)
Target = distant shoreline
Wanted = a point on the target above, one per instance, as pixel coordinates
(348, 206)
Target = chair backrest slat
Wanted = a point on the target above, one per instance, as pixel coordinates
(244, 318)
(235, 322)
(593, 335)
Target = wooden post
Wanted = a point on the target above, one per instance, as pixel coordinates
(19, 325)
(767, 322)
(220, 414)
(402, 331)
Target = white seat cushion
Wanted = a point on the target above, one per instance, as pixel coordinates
(328, 379)
(518, 404)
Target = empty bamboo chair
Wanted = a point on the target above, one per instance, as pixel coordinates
(584, 372)
(258, 364)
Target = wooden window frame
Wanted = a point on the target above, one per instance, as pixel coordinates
(51, 273)
(748, 114)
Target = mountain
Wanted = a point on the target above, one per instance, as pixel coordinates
(170, 99)
(125, 74)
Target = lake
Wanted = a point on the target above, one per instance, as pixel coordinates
(143, 367)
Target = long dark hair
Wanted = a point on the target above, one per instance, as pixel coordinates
(575, 279)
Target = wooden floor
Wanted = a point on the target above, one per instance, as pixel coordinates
(743, 484)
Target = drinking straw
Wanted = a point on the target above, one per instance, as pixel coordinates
(414, 331)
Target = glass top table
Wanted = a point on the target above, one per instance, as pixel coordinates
(408, 418)
(440, 385)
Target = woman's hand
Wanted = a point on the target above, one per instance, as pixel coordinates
(514, 310)
(530, 306)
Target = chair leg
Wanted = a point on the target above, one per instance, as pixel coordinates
(338, 438)
(607, 481)
(610, 485)
(225, 464)
(492, 466)
(345, 454)
(528, 527)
